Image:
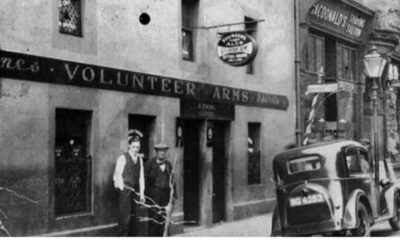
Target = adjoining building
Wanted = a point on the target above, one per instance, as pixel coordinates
(334, 37)
(76, 75)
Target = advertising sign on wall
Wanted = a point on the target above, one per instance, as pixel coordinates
(340, 19)
(40, 69)
(237, 48)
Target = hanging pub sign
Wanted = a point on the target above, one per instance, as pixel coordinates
(236, 48)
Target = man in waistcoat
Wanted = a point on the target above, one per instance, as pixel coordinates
(129, 180)
(159, 179)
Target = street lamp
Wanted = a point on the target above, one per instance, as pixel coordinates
(374, 64)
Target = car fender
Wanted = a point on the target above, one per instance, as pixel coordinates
(276, 229)
(350, 215)
(390, 197)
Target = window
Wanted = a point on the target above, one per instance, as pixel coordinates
(345, 62)
(72, 162)
(189, 12)
(251, 29)
(70, 19)
(365, 165)
(254, 153)
(314, 53)
(357, 163)
(304, 164)
(352, 162)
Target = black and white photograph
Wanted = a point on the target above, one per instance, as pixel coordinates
(199, 118)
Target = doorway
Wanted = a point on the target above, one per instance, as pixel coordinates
(191, 171)
(146, 125)
(218, 171)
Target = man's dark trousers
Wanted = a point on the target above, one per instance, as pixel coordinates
(128, 220)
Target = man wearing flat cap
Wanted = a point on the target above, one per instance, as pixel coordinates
(129, 180)
(159, 179)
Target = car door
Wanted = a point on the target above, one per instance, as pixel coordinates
(360, 174)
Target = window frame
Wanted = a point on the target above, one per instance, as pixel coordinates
(78, 31)
(353, 62)
(306, 55)
(189, 10)
(85, 157)
(254, 129)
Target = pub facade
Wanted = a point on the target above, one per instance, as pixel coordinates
(77, 75)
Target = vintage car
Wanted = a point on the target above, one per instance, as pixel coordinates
(331, 188)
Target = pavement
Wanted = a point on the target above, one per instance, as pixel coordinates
(258, 226)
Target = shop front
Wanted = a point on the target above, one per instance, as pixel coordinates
(333, 39)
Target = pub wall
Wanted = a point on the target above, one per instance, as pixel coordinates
(114, 37)
(247, 199)
(27, 127)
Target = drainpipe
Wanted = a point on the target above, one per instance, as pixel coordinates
(297, 62)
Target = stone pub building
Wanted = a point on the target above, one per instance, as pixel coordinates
(75, 75)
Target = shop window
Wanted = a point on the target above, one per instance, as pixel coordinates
(314, 53)
(254, 153)
(189, 12)
(73, 162)
(250, 27)
(70, 19)
(345, 62)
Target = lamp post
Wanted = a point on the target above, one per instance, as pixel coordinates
(374, 64)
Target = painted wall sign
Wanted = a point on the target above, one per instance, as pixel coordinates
(48, 70)
(237, 48)
(339, 18)
(209, 110)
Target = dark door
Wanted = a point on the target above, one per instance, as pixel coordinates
(191, 190)
(145, 124)
(219, 159)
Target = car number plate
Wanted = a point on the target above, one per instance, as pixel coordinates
(310, 199)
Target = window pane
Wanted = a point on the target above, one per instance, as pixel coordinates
(72, 162)
(353, 164)
(186, 16)
(320, 50)
(70, 17)
(189, 16)
(304, 164)
(254, 153)
(346, 63)
(339, 62)
(353, 61)
(186, 45)
(311, 54)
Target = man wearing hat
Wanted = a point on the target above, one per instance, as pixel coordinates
(159, 178)
(129, 180)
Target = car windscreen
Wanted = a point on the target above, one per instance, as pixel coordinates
(304, 164)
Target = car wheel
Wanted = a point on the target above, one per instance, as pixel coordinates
(395, 221)
(364, 225)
